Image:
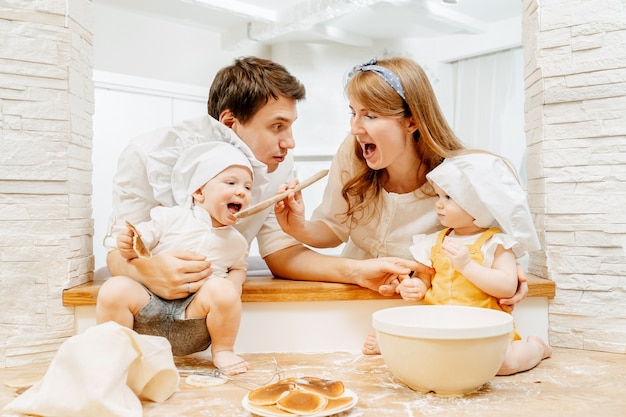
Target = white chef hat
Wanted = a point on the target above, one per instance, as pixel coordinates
(485, 186)
(160, 162)
(201, 162)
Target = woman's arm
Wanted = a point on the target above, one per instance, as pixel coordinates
(300, 263)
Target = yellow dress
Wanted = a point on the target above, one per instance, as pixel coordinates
(450, 287)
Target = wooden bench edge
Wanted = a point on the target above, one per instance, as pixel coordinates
(271, 289)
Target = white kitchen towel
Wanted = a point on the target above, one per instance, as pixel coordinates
(104, 372)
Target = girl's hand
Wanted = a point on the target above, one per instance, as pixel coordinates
(457, 252)
(412, 289)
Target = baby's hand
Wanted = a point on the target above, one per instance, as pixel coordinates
(125, 244)
(411, 289)
(457, 252)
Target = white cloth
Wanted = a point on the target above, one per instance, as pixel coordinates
(401, 215)
(177, 228)
(485, 187)
(104, 372)
(422, 245)
(196, 166)
(134, 196)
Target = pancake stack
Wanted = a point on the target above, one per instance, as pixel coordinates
(300, 396)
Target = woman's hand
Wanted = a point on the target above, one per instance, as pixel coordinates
(290, 211)
(382, 274)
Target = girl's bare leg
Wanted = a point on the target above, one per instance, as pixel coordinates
(524, 355)
(370, 346)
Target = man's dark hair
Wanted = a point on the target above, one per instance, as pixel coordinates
(247, 85)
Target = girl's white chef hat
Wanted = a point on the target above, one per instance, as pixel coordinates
(486, 187)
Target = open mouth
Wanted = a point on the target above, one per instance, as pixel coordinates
(368, 149)
(234, 207)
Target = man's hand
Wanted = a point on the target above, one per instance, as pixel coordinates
(508, 304)
(170, 275)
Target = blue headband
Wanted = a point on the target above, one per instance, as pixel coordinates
(386, 74)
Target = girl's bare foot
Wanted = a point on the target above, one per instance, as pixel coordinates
(547, 350)
(370, 346)
(229, 363)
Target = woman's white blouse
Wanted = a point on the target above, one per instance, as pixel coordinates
(390, 232)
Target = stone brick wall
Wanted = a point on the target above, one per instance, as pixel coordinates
(575, 60)
(46, 108)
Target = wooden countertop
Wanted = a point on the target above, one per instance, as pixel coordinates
(271, 289)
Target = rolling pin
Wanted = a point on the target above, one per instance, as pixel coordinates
(259, 207)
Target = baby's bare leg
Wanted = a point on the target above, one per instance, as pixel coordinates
(524, 355)
(220, 303)
(120, 299)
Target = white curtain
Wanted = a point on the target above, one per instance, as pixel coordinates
(489, 104)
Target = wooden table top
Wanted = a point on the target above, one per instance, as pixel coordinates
(572, 383)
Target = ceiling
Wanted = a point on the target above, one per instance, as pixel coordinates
(349, 22)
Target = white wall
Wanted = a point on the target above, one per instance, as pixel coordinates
(146, 46)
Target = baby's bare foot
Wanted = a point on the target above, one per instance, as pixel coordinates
(229, 363)
(547, 350)
(370, 346)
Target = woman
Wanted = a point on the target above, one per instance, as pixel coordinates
(377, 195)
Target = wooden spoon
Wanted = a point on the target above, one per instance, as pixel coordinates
(259, 207)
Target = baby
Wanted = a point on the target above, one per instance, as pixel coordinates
(473, 261)
(210, 183)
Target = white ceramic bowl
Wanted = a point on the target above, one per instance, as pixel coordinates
(448, 350)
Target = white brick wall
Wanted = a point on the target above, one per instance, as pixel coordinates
(575, 59)
(46, 107)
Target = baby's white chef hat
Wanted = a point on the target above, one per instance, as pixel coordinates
(485, 186)
(200, 163)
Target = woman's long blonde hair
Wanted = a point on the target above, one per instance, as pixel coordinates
(434, 139)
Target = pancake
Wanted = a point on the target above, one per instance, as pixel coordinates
(337, 403)
(302, 402)
(325, 387)
(138, 246)
(268, 409)
(269, 394)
